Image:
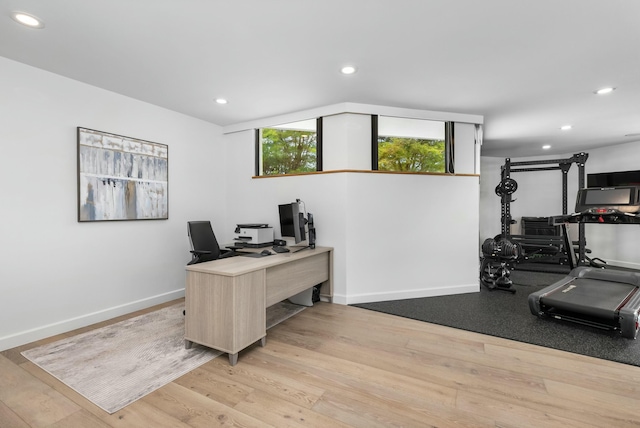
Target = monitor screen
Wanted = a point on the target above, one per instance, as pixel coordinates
(292, 222)
(623, 199)
(607, 197)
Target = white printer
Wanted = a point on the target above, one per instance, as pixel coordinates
(254, 234)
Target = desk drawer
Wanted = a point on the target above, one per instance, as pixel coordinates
(286, 280)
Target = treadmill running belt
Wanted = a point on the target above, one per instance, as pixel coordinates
(589, 297)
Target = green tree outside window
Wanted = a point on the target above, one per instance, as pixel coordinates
(286, 151)
(410, 154)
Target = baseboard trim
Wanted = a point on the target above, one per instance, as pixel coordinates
(406, 294)
(38, 333)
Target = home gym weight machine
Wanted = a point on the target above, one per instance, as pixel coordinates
(504, 252)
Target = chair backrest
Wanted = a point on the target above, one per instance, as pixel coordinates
(203, 239)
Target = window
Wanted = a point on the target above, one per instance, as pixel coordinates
(411, 145)
(289, 148)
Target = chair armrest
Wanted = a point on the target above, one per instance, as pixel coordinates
(199, 252)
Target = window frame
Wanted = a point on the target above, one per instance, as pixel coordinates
(258, 170)
(449, 141)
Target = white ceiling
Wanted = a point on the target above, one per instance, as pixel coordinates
(527, 66)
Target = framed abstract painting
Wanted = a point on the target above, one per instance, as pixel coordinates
(121, 178)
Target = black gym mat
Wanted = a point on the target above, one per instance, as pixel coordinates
(507, 315)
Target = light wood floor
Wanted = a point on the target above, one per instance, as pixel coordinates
(336, 366)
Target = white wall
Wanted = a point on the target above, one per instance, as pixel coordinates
(395, 236)
(410, 236)
(58, 274)
(540, 194)
(346, 141)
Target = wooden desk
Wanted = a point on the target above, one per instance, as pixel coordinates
(226, 300)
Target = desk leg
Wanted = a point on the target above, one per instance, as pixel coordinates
(233, 359)
(263, 341)
(187, 344)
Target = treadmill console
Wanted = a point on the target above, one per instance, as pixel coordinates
(608, 200)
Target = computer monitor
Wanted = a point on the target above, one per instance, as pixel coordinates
(292, 222)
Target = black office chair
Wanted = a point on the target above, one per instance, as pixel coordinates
(204, 245)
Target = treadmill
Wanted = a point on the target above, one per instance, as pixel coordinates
(602, 298)
(606, 299)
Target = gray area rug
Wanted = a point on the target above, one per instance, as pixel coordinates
(115, 365)
(507, 315)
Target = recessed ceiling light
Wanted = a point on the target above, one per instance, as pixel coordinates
(349, 69)
(566, 127)
(546, 147)
(221, 101)
(28, 20)
(604, 91)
